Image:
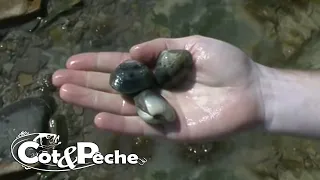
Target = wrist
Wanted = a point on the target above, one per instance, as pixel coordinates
(291, 101)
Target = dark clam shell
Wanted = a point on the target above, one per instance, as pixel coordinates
(131, 77)
(172, 66)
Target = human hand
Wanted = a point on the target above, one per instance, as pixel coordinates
(224, 97)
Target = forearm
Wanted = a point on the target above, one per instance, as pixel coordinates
(291, 101)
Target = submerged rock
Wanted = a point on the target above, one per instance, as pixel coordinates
(30, 114)
(30, 64)
(15, 8)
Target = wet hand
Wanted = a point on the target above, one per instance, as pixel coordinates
(222, 98)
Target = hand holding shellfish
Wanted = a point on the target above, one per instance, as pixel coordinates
(217, 96)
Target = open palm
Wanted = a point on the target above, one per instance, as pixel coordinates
(222, 97)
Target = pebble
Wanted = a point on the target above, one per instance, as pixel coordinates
(7, 67)
(31, 63)
(31, 25)
(78, 110)
(25, 79)
(4, 58)
(80, 178)
(1, 104)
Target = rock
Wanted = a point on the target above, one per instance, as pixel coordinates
(1, 102)
(30, 26)
(31, 115)
(11, 93)
(15, 8)
(25, 79)
(4, 58)
(31, 63)
(7, 67)
(3, 33)
(78, 110)
(59, 9)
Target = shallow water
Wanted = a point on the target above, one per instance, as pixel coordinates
(116, 25)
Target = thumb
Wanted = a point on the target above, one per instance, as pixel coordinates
(147, 52)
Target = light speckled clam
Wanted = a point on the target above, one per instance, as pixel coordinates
(136, 79)
(172, 67)
(153, 108)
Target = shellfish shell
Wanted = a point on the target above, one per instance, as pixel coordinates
(131, 77)
(153, 108)
(172, 66)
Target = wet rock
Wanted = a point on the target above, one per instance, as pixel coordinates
(44, 83)
(30, 114)
(1, 102)
(294, 25)
(77, 32)
(2, 47)
(29, 64)
(160, 175)
(4, 58)
(143, 147)
(78, 110)
(30, 26)
(25, 79)
(60, 8)
(11, 94)
(15, 8)
(201, 152)
(3, 33)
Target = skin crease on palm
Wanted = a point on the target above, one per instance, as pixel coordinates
(224, 97)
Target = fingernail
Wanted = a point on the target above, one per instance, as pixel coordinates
(134, 48)
(56, 78)
(72, 63)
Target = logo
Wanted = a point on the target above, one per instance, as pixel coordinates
(35, 150)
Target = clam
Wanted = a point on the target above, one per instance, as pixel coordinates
(153, 108)
(172, 66)
(131, 77)
(137, 80)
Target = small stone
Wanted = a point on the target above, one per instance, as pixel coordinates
(25, 79)
(4, 58)
(311, 151)
(31, 25)
(3, 47)
(1, 104)
(80, 178)
(31, 63)
(7, 67)
(78, 110)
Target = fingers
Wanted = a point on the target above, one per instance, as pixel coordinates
(94, 80)
(102, 61)
(97, 100)
(145, 52)
(149, 50)
(132, 125)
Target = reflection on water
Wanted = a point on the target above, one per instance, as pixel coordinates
(280, 33)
